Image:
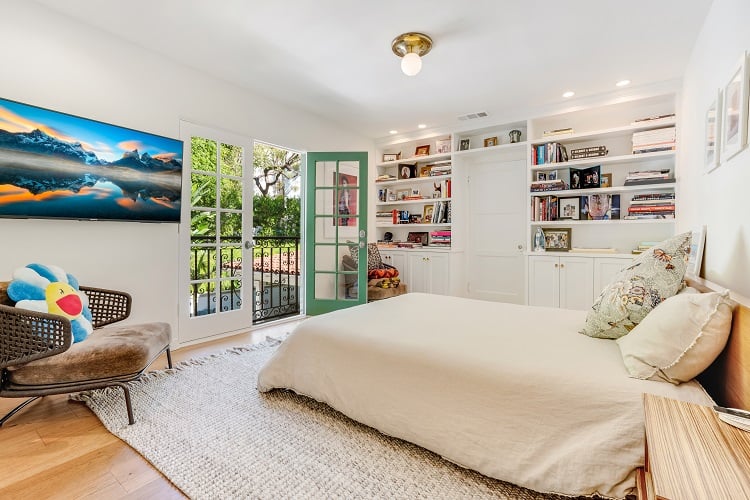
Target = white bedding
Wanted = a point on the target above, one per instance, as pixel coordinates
(511, 391)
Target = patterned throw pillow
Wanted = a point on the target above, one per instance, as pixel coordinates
(652, 277)
(374, 261)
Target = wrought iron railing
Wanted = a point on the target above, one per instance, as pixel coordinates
(275, 276)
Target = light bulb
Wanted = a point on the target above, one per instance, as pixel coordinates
(411, 64)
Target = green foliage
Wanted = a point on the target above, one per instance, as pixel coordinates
(276, 215)
(274, 168)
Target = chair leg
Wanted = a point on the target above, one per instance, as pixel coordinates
(169, 357)
(128, 404)
(17, 409)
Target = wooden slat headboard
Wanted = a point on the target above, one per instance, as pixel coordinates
(727, 380)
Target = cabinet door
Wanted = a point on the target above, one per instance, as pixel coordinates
(605, 269)
(416, 266)
(438, 273)
(398, 260)
(544, 281)
(576, 282)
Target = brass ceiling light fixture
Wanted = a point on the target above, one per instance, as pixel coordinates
(410, 47)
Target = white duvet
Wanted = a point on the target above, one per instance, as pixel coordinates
(514, 392)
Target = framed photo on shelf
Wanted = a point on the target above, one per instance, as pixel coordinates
(414, 192)
(490, 141)
(557, 239)
(541, 176)
(570, 208)
(402, 194)
(424, 170)
(606, 181)
(443, 146)
(713, 133)
(552, 175)
(464, 144)
(590, 177)
(734, 112)
(417, 237)
(427, 212)
(407, 171)
(422, 150)
(391, 156)
(602, 206)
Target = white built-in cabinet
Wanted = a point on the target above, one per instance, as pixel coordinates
(396, 259)
(494, 213)
(422, 271)
(570, 282)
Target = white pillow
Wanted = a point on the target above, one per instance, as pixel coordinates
(679, 338)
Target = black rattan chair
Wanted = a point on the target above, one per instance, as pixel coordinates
(38, 358)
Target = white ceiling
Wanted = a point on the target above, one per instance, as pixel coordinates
(333, 57)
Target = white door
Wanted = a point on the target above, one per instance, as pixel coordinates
(497, 231)
(576, 283)
(215, 292)
(544, 281)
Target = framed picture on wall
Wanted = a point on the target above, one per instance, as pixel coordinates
(695, 259)
(734, 112)
(713, 133)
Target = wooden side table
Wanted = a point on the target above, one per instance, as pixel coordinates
(691, 454)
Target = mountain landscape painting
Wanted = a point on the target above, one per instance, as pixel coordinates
(55, 165)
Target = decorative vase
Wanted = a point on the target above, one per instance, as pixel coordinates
(539, 243)
(515, 136)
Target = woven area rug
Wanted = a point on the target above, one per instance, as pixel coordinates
(204, 425)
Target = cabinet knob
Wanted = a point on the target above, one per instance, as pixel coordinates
(562, 265)
(555, 265)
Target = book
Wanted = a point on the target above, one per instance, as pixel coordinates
(651, 208)
(650, 216)
(593, 250)
(654, 120)
(640, 182)
(558, 131)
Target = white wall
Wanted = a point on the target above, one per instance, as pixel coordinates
(717, 199)
(54, 62)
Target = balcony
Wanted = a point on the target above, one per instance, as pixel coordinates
(276, 276)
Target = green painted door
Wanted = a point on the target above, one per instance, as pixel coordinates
(336, 221)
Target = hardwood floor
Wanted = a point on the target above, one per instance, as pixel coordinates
(56, 448)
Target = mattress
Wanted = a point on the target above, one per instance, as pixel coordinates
(514, 392)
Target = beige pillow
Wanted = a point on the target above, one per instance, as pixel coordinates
(651, 278)
(678, 339)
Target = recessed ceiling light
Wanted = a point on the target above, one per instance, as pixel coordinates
(622, 83)
(421, 125)
(393, 131)
(569, 93)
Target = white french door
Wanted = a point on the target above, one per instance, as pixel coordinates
(215, 282)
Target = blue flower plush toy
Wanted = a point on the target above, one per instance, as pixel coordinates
(51, 290)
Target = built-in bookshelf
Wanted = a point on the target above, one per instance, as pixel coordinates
(604, 197)
(414, 195)
(625, 145)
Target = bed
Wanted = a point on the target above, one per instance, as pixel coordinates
(486, 385)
